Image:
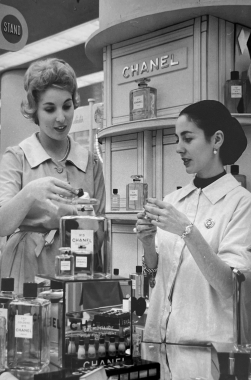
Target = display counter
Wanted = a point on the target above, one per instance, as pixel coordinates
(168, 361)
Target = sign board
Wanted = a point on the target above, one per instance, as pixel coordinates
(13, 29)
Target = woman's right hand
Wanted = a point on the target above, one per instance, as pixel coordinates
(145, 230)
(49, 189)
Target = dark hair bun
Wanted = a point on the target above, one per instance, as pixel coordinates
(235, 142)
(212, 115)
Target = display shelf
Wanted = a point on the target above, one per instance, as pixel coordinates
(138, 126)
(153, 124)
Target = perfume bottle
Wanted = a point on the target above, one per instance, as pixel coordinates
(101, 348)
(29, 322)
(91, 349)
(235, 93)
(55, 294)
(84, 232)
(115, 200)
(64, 264)
(137, 282)
(112, 347)
(239, 177)
(2, 342)
(136, 193)
(6, 295)
(143, 101)
(72, 346)
(83, 262)
(121, 346)
(81, 349)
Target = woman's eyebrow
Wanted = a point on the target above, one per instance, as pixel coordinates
(183, 133)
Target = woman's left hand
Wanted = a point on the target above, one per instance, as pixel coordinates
(166, 216)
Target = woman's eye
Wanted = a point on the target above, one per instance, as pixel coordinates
(67, 107)
(188, 139)
(49, 110)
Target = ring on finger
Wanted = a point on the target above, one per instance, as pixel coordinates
(157, 219)
(135, 230)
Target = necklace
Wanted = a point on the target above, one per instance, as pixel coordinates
(67, 149)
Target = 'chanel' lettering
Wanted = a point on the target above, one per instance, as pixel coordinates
(145, 67)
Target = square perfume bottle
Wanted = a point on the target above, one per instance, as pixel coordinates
(64, 264)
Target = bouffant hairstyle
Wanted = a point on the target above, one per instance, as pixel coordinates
(41, 75)
(211, 116)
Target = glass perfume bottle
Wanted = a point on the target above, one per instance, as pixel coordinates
(83, 262)
(29, 322)
(2, 343)
(137, 282)
(84, 232)
(6, 295)
(136, 193)
(55, 294)
(81, 349)
(115, 200)
(112, 347)
(91, 349)
(143, 101)
(235, 93)
(239, 177)
(64, 264)
(101, 348)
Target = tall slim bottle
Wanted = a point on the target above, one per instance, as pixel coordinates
(29, 322)
(235, 93)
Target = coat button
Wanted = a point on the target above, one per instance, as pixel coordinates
(59, 170)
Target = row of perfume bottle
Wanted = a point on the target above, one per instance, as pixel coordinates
(91, 348)
(137, 192)
(136, 195)
(143, 100)
(70, 263)
(24, 327)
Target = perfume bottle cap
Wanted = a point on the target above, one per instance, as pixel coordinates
(121, 339)
(102, 340)
(91, 341)
(81, 341)
(234, 75)
(137, 177)
(112, 339)
(65, 250)
(30, 289)
(116, 271)
(56, 285)
(115, 191)
(139, 269)
(142, 82)
(7, 284)
(234, 169)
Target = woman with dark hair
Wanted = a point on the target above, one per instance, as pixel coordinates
(203, 231)
(40, 178)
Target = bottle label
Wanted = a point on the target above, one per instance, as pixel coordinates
(4, 313)
(134, 284)
(65, 265)
(24, 326)
(82, 238)
(236, 91)
(81, 262)
(133, 195)
(138, 102)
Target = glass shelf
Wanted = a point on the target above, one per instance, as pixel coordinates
(153, 124)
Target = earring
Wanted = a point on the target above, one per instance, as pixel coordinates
(215, 151)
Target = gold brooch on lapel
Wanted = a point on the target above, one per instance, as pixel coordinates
(209, 223)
